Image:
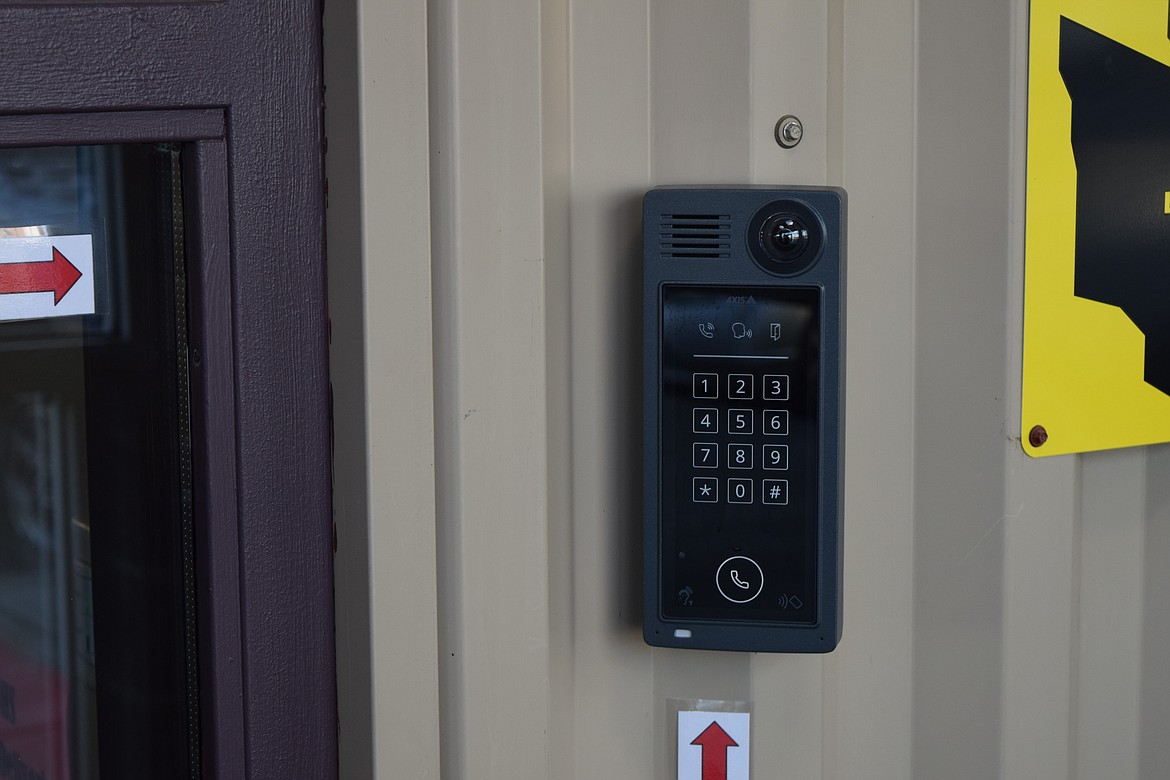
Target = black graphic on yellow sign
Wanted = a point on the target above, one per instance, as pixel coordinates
(1123, 235)
(1097, 309)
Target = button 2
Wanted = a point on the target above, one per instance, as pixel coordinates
(740, 386)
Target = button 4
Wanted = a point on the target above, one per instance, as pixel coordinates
(705, 421)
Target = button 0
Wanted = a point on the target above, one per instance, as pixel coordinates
(739, 579)
(739, 491)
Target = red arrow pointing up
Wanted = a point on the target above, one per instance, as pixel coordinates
(57, 277)
(714, 741)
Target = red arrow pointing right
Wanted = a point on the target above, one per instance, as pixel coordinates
(714, 741)
(57, 277)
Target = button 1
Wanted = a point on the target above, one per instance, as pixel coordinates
(706, 385)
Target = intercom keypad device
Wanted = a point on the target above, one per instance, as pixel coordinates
(742, 431)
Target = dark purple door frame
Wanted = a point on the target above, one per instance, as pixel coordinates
(240, 85)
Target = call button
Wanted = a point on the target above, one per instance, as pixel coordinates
(739, 579)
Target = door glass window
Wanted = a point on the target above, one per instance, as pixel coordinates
(97, 597)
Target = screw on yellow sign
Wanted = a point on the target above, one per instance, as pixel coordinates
(1097, 279)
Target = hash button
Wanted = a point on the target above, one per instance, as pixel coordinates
(776, 492)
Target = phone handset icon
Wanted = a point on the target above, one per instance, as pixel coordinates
(739, 579)
(707, 329)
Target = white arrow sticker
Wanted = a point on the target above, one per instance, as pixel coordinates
(46, 276)
(714, 745)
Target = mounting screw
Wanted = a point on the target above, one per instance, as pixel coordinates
(789, 131)
(1037, 436)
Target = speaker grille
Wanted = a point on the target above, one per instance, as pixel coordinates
(695, 235)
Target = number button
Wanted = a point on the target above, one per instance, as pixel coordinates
(705, 421)
(740, 386)
(776, 422)
(706, 490)
(739, 420)
(739, 456)
(776, 457)
(739, 491)
(706, 456)
(706, 385)
(775, 387)
(776, 492)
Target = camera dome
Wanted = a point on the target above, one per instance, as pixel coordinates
(785, 237)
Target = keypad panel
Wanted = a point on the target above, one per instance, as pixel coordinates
(741, 454)
(739, 449)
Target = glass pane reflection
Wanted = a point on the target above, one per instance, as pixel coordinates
(94, 532)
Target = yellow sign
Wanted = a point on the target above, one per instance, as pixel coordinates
(1097, 279)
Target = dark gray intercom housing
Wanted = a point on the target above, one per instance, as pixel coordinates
(743, 380)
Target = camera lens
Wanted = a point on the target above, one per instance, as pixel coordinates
(785, 237)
